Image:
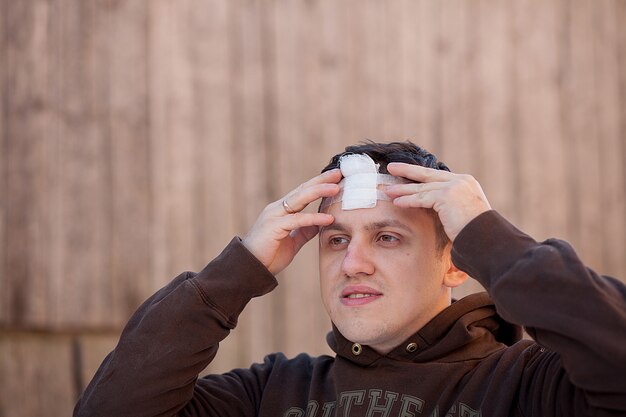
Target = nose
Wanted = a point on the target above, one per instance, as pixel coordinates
(358, 260)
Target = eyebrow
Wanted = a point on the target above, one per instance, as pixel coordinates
(369, 227)
(334, 226)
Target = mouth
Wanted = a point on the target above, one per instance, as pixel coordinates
(354, 296)
(359, 295)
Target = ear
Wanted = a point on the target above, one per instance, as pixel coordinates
(454, 276)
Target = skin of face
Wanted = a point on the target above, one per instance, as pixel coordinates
(382, 277)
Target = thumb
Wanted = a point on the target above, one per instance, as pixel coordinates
(302, 235)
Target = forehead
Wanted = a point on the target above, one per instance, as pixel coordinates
(385, 214)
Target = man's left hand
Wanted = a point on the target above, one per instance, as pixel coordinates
(457, 198)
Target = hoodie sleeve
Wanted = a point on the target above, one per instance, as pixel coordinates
(577, 316)
(173, 336)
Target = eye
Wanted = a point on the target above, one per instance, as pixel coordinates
(337, 241)
(388, 239)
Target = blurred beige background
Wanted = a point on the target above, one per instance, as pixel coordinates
(138, 137)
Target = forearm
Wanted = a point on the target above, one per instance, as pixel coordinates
(564, 306)
(173, 336)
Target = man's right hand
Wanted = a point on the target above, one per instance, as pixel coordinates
(281, 230)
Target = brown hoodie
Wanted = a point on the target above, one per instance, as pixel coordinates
(467, 361)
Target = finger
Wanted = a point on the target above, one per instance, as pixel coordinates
(423, 199)
(331, 176)
(297, 221)
(397, 190)
(418, 173)
(305, 195)
(300, 220)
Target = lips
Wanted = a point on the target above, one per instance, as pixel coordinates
(358, 295)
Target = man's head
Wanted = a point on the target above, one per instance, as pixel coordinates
(385, 271)
(407, 152)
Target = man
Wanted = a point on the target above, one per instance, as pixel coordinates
(391, 248)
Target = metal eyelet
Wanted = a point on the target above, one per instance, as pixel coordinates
(411, 347)
(357, 349)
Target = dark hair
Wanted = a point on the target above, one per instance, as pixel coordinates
(408, 152)
(384, 153)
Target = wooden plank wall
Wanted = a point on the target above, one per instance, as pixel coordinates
(138, 137)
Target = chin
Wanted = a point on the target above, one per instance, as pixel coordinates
(365, 332)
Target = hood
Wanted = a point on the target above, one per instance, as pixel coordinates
(469, 328)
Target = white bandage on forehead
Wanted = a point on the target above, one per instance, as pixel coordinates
(360, 186)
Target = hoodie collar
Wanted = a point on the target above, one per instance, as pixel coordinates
(468, 329)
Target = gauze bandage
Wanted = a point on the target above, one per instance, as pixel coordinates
(362, 185)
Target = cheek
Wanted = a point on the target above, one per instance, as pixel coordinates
(418, 270)
(327, 273)
(329, 262)
(328, 294)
